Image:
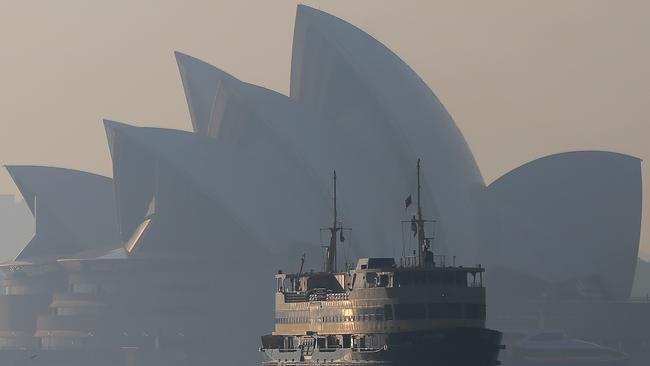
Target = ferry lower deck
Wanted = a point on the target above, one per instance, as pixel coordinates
(441, 347)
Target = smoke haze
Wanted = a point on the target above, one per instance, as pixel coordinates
(521, 80)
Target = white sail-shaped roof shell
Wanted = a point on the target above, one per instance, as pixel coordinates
(73, 210)
(372, 184)
(368, 92)
(254, 190)
(201, 83)
(569, 216)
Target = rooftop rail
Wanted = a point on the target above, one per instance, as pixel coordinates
(414, 261)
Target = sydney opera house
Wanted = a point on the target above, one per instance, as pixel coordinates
(168, 262)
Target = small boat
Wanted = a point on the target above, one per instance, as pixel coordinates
(555, 348)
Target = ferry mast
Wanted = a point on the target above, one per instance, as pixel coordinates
(330, 265)
(336, 228)
(423, 241)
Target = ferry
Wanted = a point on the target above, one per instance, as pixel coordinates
(418, 311)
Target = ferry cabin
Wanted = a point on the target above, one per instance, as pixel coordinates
(377, 297)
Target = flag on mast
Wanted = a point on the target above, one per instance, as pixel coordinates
(408, 201)
(414, 226)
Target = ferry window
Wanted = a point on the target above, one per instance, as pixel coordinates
(359, 342)
(371, 279)
(444, 311)
(379, 314)
(347, 340)
(388, 312)
(475, 311)
(369, 314)
(408, 278)
(333, 342)
(409, 311)
(381, 262)
(384, 280)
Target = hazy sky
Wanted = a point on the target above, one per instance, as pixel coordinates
(522, 79)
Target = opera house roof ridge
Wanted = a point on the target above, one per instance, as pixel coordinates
(213, 95)
(15, 171)
(571, 153)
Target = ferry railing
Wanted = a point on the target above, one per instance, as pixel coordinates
(330, 349)
(370, 350)
(288, 350)
(336, 296)
(317, 297)
(440, 260)
(409, 262)
(413, 261)
(294, 297)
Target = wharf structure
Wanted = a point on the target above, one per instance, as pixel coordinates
(78, 294)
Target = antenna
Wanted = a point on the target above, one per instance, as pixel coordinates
(302, 264)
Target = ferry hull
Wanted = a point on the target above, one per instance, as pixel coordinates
(444, 347)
